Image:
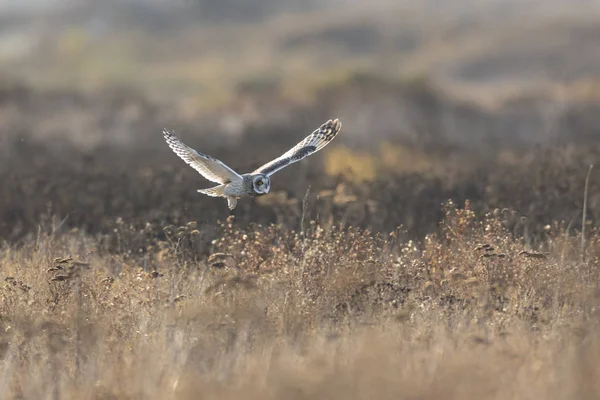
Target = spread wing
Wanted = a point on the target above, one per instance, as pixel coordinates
(209, 167)
(310, 145)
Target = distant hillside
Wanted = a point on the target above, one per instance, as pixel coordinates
(205, 49)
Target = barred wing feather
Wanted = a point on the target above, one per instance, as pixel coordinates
(310, 145)
(209, 167)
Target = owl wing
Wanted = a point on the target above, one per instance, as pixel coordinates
(212, 169)
(310, 145)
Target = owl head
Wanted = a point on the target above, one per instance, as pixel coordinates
(261, 184)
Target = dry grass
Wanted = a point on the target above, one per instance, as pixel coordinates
(118, 283)
(470, 312)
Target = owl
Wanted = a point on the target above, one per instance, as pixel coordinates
(234, 186)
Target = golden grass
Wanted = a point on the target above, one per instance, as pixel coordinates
(97, 307)
(357, 166)
(469, 312)
(352, 165)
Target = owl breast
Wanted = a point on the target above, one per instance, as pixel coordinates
(248, 187)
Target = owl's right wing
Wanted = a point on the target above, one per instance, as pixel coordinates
(209, 167)
(309, 145)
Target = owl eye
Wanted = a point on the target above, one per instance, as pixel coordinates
(259, 182)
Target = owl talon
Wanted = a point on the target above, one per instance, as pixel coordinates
(231, 202)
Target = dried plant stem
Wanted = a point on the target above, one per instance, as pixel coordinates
(585, 196)
(304, 207)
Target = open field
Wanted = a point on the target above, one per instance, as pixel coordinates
(121, 282)
(469, 312)
(439, 248)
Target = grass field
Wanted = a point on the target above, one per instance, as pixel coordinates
(424, 277)
(471, 311)
(439, 248)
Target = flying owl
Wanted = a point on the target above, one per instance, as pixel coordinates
(257, 183)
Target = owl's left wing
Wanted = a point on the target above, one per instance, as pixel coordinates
(209, 167)
(310, 145)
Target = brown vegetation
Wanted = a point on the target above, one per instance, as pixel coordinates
(435, 274)
(92, 159)
(470, 312)
(433, 251)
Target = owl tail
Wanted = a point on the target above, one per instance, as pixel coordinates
(216, 191)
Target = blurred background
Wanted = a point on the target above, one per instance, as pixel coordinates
(434, 250)
(496, 101)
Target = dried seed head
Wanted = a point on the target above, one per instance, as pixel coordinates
(533, 255)
(179, 298)
(219, 260)
(108, 280)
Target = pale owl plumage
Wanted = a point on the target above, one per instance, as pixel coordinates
(232, 185)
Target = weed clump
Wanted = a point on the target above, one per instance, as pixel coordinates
(265, 309)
